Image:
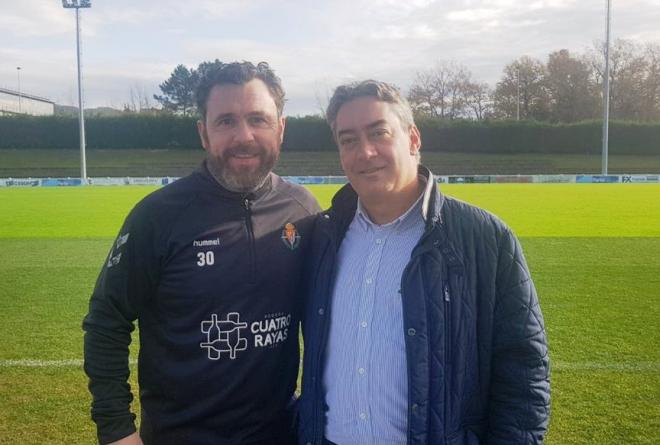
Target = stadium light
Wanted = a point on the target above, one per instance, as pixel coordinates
(18, 75)
(606, 92)
(77, 4)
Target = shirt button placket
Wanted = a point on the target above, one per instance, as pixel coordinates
(366, 310)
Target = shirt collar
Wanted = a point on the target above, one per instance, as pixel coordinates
(416, 209)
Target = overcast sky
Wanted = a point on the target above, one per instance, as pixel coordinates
(313, 45)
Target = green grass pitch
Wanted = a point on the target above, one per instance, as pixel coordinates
(594, 251)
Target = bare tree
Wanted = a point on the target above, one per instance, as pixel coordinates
(567, 88)
(423, 97)
(651, 89)
(458, 89)
(478, 99)
(322, 95)
(627, 74)
(522, 88)
(132, 105)
(138, 99)
(441, 92)
(144, 98)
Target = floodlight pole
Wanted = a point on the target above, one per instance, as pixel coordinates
(606, 92)
(77, 4)
(18, 74)
(81, 111)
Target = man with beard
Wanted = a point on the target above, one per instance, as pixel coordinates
(210, 268)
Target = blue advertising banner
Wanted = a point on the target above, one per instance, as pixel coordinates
(60, 182)
(597, 179)
(29, 182)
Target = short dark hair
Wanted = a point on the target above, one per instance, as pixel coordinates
(382, 91)
(237, 73)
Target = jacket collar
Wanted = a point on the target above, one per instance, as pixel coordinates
(344, 203)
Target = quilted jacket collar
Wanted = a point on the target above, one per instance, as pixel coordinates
(344, 203)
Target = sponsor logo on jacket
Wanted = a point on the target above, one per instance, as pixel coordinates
(228, 336)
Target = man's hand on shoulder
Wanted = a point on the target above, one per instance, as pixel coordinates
(133, 439)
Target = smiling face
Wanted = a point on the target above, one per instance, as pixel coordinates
(377, 153)
(242, 134)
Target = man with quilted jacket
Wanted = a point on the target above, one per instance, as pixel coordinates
(422, 325)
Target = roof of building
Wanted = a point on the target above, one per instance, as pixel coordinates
(27, 96)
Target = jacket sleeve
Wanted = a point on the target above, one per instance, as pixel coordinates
(124, 284)
(519, 405)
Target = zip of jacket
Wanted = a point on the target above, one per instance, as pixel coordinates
(404, 275)
(250, 234)
(318, 423)
(417, 252)
(447, 352)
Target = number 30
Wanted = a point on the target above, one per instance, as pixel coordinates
(205, 258)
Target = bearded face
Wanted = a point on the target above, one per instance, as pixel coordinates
(242, 134)
(243, 168)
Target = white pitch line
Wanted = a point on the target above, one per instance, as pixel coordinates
(36, 363)
(593, 366)
(559, 366)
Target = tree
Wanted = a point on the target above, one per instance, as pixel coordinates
(423, 98)
(572, 92)
(651, 102)
(627, 77)
(441, 92)
(139, 101)
(522, 88)
(628, 81)
(179, 91)
(478, 99)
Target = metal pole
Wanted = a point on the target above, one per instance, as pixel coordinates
(606, 92)
(18, 74)
(81, 111)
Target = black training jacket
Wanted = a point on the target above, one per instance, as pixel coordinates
(212, 277)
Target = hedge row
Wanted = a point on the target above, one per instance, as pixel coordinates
(311, 133)
(121, 132)
(537, 137)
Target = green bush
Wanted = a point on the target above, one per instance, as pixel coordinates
(142, 131)
(308, 133)
(538, 137)
(120, 132)
(311, 133)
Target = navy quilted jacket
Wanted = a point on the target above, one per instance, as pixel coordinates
(478, 368)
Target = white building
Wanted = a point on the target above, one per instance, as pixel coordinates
(13, 103)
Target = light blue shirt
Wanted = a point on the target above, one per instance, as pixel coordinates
(365, 378)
